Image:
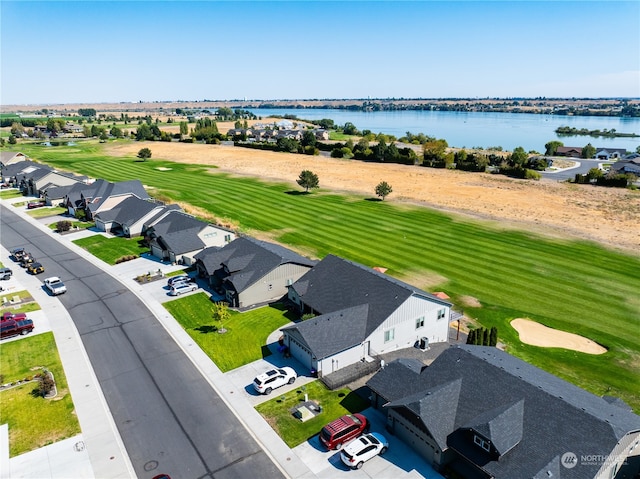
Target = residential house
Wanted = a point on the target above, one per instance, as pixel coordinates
(56, 195)
(27, 179)
(361, 313)
(129, 216)
(628, 164)
(251, 272)
(102, 195)
(610, 153)
(54, 178)
(177, 237)
(479, 412)
(10, 157)
(321, 134)
(570, 151)
(14, 172)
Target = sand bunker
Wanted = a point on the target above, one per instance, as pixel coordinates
(163, 168)
(537, 334)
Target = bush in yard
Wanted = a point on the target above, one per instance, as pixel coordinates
(63, 225)
(532, 175)
(125, 258)
(46, 385)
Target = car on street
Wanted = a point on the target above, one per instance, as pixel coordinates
(5, 273)
(6, 316)
(55, 285)
(181, 288)
(343, 430)
(13, 328)
(17, 253)
(183, 278)
(35, 268)
(274, 378)
(26, 259)
(360, 450)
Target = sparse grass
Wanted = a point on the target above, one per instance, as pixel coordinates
(110, 249)
(246, 336)
(34, 421)
(293, 431)
(576, 286)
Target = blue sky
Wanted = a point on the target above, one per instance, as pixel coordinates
(95, 51)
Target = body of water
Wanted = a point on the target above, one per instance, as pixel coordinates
(472, 129)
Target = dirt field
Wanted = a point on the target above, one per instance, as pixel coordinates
(537, 334)
(610, 216)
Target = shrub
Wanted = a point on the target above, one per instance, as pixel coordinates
(532, 175)
(125, 258)
(63, 225)
(46, 385)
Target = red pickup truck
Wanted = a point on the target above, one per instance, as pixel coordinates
(15, 316)
(11, 327)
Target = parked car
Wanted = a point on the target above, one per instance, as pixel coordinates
(183, 278)
(180, 288)
(55, 285)
(360, 450)
(17, 253)
(13, 328)
(35, 268)
(6, 316)
(36, 204)
(5, 273)
(26, 259)
(343, 430)
(274, 378)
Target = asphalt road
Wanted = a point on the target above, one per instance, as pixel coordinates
(170, 419)
(585, 166)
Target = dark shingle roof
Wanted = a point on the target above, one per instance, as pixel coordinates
(333, 332)
(248, 260)
(178, 232)
(128, 211)
(336, 283)
(58, 191)
(105, 190)
(556, 416)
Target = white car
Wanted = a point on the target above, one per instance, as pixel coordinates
(267, 382)
(179, 288)
(183, 278)
(360, 450)
(55, 285)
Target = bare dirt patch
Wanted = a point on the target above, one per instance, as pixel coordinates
(536, 334)
(470, 301)
(606, 215)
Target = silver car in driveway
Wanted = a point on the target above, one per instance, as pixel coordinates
(180, 288)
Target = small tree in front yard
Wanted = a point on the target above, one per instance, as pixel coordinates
(63, 226)
(221, 314)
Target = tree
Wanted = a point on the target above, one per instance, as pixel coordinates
(638, 150)
(589, 151)
(184, 128)
(383, 189)
(64, 225)
(12, 140)
(308, 179)
(309, 138)
(144, 153)
(350, 129)
(552, 147)
(493, 336)
(221, 314)
(518, 158)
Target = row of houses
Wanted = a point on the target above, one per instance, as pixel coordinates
(268, 134)
(605, 154)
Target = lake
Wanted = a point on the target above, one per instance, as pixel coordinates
(471, 129)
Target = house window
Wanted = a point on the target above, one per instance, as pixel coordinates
(441, 313)
(227, 238)
(270, 286)
(486, 445)
(389, 335)
(420, 322)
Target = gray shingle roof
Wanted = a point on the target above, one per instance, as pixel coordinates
(496, 388)
(127, 211)
(335, 284)
(333, 332)
(178, 232)
(248, 260)
(106, 190)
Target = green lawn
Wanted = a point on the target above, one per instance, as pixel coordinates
(576, 286)
(12, 193)
(339, 136)
(33, 421)
(46, 211)
(27, 307)
(110, 249)
(294, 432)
(246, 336)
(74, 224)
